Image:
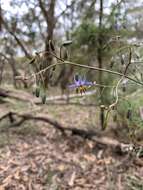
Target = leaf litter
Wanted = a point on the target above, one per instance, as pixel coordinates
(49, 160)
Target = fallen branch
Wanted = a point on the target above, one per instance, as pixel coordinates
(17, 119)
(70, 96)
(24, 96)
(15, 94)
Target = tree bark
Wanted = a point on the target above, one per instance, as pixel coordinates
(100, 61)
(49, 16)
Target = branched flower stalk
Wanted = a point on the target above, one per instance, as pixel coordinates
(112, 106)
(61, 61)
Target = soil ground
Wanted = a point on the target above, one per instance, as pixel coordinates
(35, 156)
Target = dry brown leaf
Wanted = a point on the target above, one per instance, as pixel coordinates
(33, 166)
(100, 180)
(25, 168)
(100, 154)
(2, 188)
(11, 161)
(90, 157)
(108, 160)
(25, 146)
(80, 181)
(25, 178)
(90, 144)
(61, 167)
(7, 180)
(72, 179)
(100, 162)
(17, 174)
(4, 168)
(30, 185)
(8, 153)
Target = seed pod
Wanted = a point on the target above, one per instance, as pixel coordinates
(124, 26)
(63, 53)
(124, 88)
(113, 107)
(112, 62)
(37, 92)
(122, 59)
(76, 77)
(51, 45)
(77, 90)
(137, 55)
(32, 61)
(51, 74)
(141, 76)
(43, 98)
(102, 117)
(129, 114)
(54, 68)
(115, 118)
(66, 43)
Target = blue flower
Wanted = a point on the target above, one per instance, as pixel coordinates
(80, 84)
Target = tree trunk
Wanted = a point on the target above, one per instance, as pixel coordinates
(49, 16)
(50, 31)
(100, 61)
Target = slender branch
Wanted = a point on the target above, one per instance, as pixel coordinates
(64, 11)
(116, 90)
(80, 65)
(113, 9)
(130, 57)
(44, 11)
(117, 86)
(16, 39)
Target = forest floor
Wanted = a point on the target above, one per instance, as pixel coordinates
(35, 156)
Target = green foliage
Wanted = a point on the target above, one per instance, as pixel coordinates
(129, 115)
(85, 34)
(39, 91)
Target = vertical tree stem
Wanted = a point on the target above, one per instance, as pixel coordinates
(100, 61)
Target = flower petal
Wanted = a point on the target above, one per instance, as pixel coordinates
(87, 83)
(72, 86)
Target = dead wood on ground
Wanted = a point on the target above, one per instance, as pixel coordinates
(17, 119)
(25, 96)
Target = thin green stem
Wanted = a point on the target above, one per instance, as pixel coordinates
(82, 66)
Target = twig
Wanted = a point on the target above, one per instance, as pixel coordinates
(116, 89)
(19, 42)
(77, 65)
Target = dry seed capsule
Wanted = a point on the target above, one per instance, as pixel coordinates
(115, 118)
(122, 59)
(76, 77)
(37, 91)
(43, 97)
(129, 114)
(51, 74)
(112, 62)
(51, 45)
